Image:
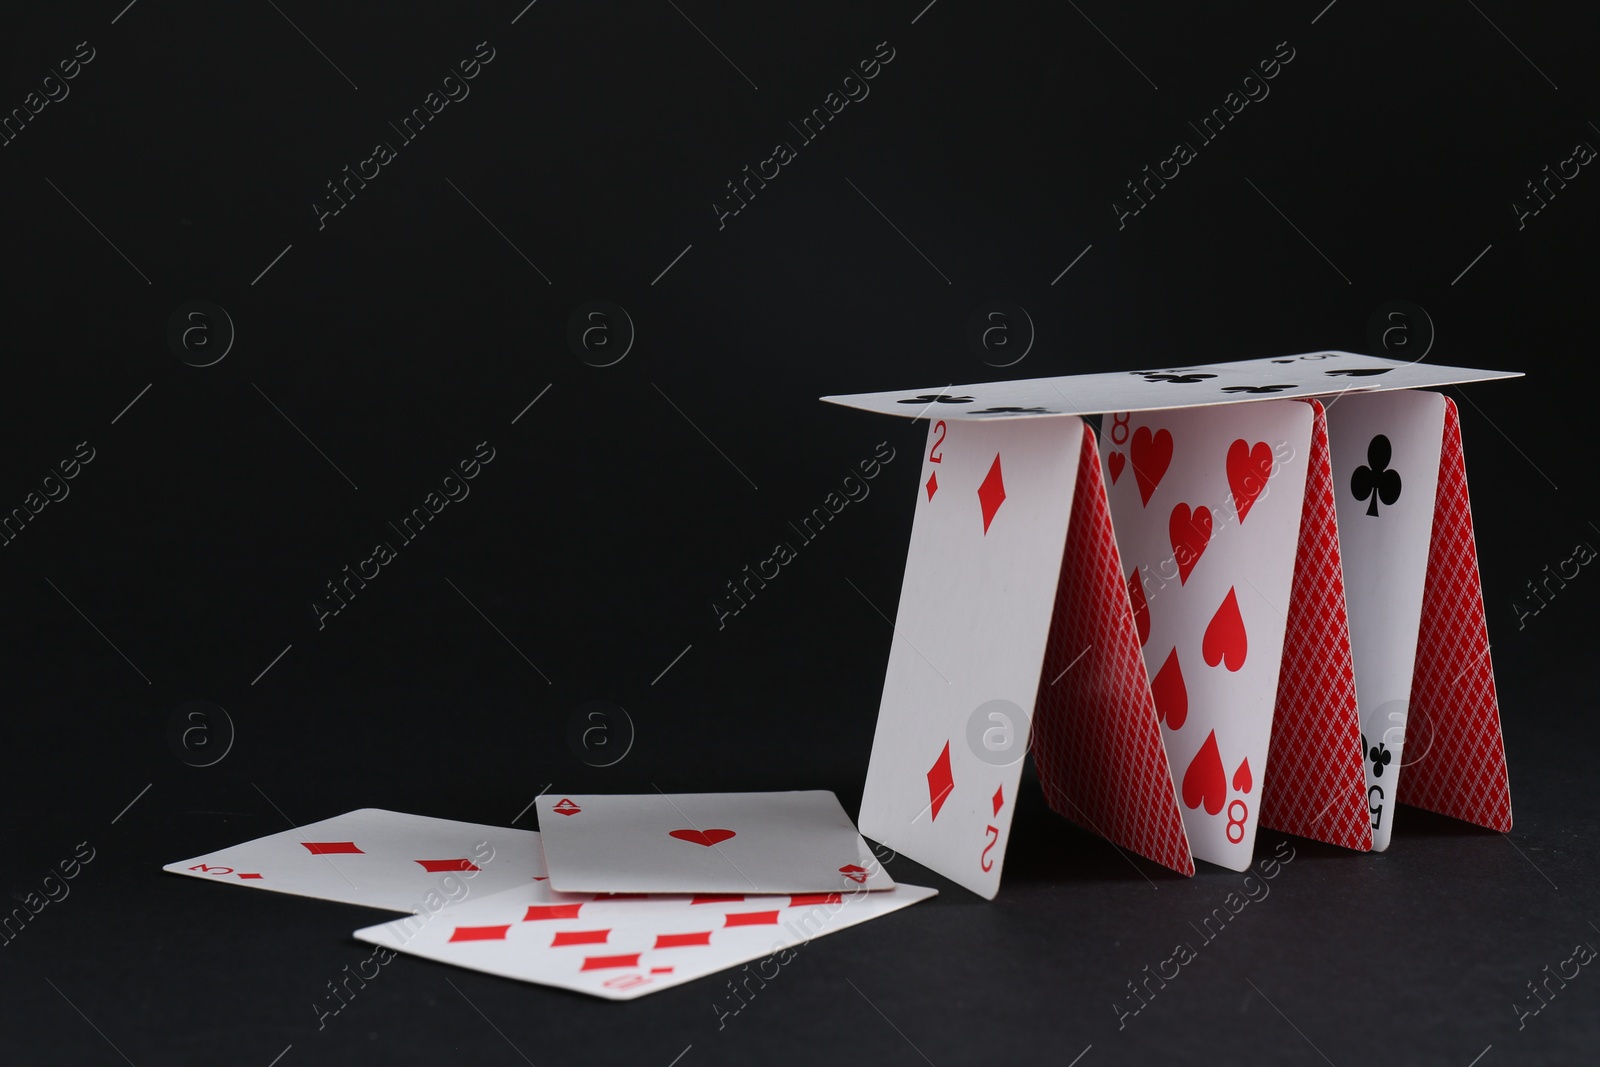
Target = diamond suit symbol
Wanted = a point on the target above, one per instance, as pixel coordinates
(992, 493)
(933, 484)
(940, 781)
(435, 866)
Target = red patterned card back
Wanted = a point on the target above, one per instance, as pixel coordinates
(1455, 760)
(1315, 784)
(1096, 740)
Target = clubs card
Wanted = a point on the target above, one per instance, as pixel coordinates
(1385, 456)
(623, 949)
(796, 842)
(1206, 506)
(1309, 374)
(380, 859)
(993, 502)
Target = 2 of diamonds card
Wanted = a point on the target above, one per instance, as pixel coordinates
(382, 859)
(969, 640)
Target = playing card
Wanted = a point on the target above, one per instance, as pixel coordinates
(1206, 505)
(381, 859)
(1385, 456)
(1310, 374)
(1097, 742)
(987, 541)
(1458, 765)
(622, 949)
(795, 842)
(1315, 786)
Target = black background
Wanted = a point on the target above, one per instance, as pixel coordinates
(589, 553)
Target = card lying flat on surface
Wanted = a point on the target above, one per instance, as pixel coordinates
(798, 842)
(622, 949)
(382, 859)
(1283, 377)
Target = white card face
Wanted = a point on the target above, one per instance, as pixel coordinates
(622, 949)
(993, 504)
(1281, 377)
(798, 842)
(1206, 506)
(1385, 456)
(382, 859)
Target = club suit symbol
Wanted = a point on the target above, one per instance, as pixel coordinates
(1376, 481)
(1013, 411)
(1380, 756)
(1174, 377)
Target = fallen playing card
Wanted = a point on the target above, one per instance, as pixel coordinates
(796, 842)
(625, 948)
(383, 859)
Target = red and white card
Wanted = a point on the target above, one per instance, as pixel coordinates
(624, 948)
(975, 606)
(381, 859)
(1206, 506)
(790, 842)
(480, 899)
(1251, 603)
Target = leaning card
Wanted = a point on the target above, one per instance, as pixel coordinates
(1385, 456)
(796, 842)
(993, 502)
(1206, 506)
(381, 859)
(622, 949)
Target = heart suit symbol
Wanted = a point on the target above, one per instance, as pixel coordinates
(1225, 640)
(1249, 467)
(1152, 455)
(702, 837)
(1189, 532)
(1205, 782)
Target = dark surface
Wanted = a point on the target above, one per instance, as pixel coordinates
(408, 330)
